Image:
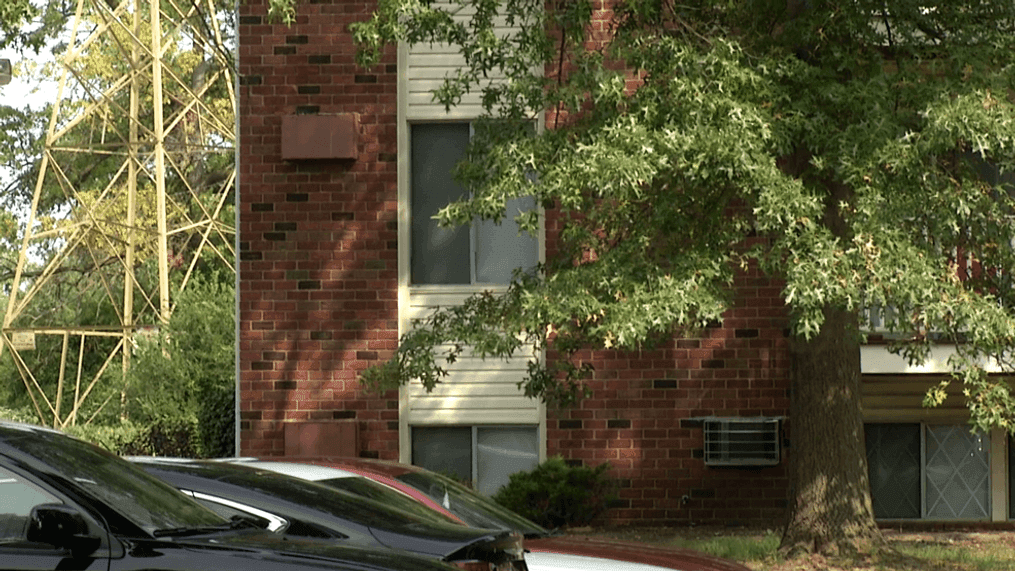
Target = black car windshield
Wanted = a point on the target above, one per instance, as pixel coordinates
(471, 507)
(390, 497)
(84, 468)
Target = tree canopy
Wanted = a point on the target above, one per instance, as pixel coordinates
(898, 119)
(861, 153)
(32, 25)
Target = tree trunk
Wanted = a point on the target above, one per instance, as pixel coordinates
(830, 505)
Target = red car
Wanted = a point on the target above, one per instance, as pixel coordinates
(545, 550)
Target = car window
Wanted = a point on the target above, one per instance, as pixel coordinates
(231, 511)
(324, 498)
(17, 498)
(473, 508)
(79, 467)
(388, 496)
(263, 519)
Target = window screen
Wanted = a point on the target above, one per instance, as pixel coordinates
(444, 449)
(500, 249)
(1011, 477)
(893, 461)
(928, 471)
(502, 451)
(957, 473)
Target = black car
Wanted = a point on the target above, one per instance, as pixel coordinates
(293, 507)
(66, 504)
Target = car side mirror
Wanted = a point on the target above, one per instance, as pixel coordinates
(62, 527)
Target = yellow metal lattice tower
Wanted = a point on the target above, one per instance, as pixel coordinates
(140, 145)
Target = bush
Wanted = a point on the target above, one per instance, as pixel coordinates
(555, 494)
(178, 438)
(18, 415)
(182, 381)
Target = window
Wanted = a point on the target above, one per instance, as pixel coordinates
(928, 471)
(367, 488)
(230, 509)
(482, 253)
(742, 441)
(486, 456)
(19, 498)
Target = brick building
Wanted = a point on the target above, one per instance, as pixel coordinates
(336, 164)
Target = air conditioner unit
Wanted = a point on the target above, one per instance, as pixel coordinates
(750, 441)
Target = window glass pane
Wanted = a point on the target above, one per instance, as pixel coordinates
(500, 248)
(230, 512)
(368, 488)
(439, 255)
(893, 462)
(957, 473)
(444, 449)
(502, 451)
(17, 498)
(990, 172)
(474, 509)
(143, 499)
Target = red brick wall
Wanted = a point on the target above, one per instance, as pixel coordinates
(318, 299)
(318, 245)
(642, 417)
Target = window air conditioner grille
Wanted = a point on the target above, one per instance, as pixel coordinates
(742, 442)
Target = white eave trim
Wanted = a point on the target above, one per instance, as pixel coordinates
(875, 359)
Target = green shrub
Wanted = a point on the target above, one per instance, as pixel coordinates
(178, 438)
(555, 494)
(18, 415)
(112, 438)
(182, 381)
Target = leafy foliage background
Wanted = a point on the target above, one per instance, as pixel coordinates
(183, 378)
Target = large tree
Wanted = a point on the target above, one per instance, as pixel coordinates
(855, 151)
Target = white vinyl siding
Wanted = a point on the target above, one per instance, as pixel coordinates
(426, 67)
(476, 391)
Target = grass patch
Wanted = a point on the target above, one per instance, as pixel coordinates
(978, 555)
(911, 551)
(739, 547)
